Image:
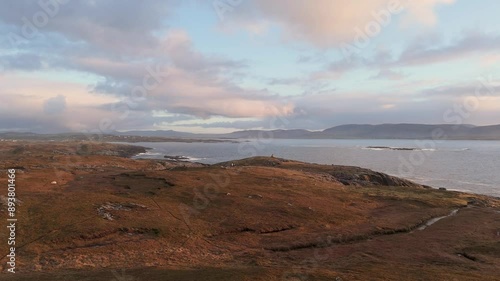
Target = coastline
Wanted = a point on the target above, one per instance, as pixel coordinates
(258, 217)
(452, 184)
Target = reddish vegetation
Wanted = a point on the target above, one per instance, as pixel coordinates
(253, 219)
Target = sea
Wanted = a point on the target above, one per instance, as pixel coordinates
(470, 166)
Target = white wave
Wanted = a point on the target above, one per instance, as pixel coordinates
(148, 153)
(376, 149)
(397, 148)
(474, 183)
(190, 158)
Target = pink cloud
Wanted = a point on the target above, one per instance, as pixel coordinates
(329, 23)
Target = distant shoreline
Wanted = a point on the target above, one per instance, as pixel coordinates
(402, 131)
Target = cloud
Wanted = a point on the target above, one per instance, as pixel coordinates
(424, 51)
(469, 43)
(112, 47)
(22, 61)
(34, 107)
(330, 23)
(27, 123)
(482, 87)
(179, 48)
(190, 83)
(320, 111)
(389, 74)
(423, 11)
(282, 81)
(235, 124)
(123, 27)
(126, 43)
(55, 105)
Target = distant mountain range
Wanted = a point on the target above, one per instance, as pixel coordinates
(383, 131)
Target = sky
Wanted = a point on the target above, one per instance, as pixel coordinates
(215, 66)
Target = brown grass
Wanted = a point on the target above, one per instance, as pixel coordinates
(261, 219)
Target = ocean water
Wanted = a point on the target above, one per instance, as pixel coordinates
(471, 166)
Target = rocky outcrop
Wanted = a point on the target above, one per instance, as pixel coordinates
(368, 178)
(347, 175)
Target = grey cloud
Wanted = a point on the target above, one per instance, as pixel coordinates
(343, 65)
(281, 81)
(23, 61)
(114, 25)
(11, 122)
(480, 88)
(423, 51)
(55, 105)
(469, 43)
(389, 74)
(145, 120)
(239, 124)
(316, 57)
(173, 119)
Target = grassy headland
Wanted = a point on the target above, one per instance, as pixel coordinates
(259, 218)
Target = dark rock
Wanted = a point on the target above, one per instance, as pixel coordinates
(393, 148)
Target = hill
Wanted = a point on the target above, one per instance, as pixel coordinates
(353, 131)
